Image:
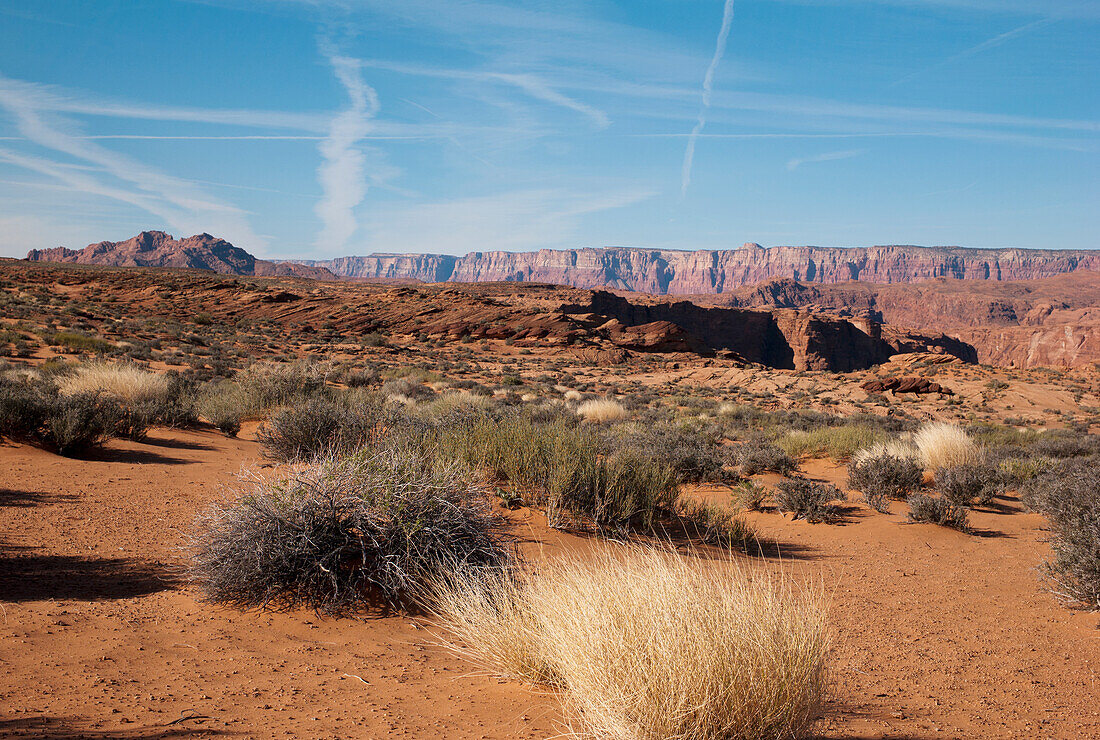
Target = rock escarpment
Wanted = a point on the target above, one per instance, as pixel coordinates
(706, 272)
(157, 249)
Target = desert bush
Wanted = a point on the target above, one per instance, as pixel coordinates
(78, 421)
(749, 495)
(695, 455)
(361, 377)
(882, 478)
(925, 508)
(322, 426)
(808, 500)
(23, 407)
(942, 445)
(602, 411)
(965, 485)
(649, 644)
(1063, 443)
(757, 457)
(407, 387)
(342, 533)
(223, 405)
(1070, 498)
(837, 442)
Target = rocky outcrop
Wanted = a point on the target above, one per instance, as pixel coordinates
(706, 272)
(914, 385)
(780, 338)
(157, 249)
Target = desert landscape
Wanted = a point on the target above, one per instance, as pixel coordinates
(928, 514)
(587, 369)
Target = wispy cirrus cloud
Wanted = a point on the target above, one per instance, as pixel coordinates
(342, 171)
(530, 84)
(513, 221)
(178, 203)
(796, 162)
(976, 49)
(708, 86)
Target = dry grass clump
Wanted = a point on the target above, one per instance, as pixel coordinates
(944, 445)
(127, 383)
(649, 644)
(602, 411)
(901, 448)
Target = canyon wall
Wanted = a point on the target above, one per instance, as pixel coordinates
(707, 272)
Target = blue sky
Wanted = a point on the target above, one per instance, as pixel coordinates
(327, 127)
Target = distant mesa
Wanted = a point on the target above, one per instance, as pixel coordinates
(671, 272)
(158, 249)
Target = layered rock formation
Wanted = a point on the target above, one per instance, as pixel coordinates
(1044, 322)
(157, 249)
(705, 272)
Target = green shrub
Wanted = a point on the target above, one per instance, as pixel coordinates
(839, 442)
(715, 525)
(749, 495)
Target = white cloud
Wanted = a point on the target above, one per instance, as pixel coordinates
(708, 86)
(342, 172)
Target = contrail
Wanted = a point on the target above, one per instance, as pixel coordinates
(341, 173)
(708, 84)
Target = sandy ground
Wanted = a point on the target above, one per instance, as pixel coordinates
(939, 634)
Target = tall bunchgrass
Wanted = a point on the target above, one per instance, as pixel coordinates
(648, 644)
(944, 445)
(837, 442)
(602, 411)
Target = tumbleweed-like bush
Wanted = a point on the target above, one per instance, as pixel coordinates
(925, 508)
(344, 533)
(649, 644)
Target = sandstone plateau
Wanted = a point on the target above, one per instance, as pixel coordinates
(663, 272)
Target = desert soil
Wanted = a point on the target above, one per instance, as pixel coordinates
(938, 634)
